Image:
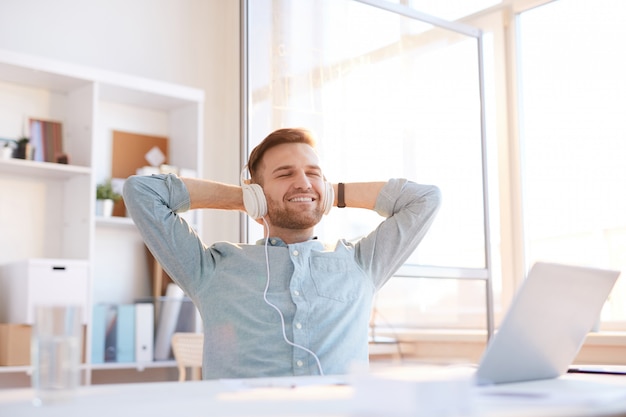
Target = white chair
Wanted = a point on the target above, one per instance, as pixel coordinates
(187, 348)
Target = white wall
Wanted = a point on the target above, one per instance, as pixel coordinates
(190, 42)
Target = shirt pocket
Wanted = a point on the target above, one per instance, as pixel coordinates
(338, 279)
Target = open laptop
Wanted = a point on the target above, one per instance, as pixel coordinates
(546, 325)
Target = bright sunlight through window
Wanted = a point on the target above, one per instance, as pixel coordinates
(573, 89)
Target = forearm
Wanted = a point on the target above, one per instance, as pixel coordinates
(360, 194)
(215, 195)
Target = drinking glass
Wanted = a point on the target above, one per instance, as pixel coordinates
(55, 353)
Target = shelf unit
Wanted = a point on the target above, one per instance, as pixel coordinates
(41, 169)
(47, 210)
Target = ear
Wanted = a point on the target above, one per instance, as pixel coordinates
(253, 198)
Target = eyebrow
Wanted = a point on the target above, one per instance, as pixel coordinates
(288, 167)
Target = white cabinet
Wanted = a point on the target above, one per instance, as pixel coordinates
(26, 284)
(47, 210)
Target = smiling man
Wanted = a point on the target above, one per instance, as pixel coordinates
(289, 304)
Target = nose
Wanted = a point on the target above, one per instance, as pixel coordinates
(302, 181)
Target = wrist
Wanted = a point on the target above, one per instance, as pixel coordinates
(341, 198)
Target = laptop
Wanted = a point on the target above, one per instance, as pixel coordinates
(550, 316)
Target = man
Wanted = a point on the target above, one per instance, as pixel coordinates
(288, 305)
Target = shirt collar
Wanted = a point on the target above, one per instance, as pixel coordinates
(276, 241)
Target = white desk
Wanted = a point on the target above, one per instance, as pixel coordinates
(571, 395)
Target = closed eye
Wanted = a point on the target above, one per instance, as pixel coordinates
(285, 172)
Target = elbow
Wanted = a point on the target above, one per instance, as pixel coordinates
(435, 196)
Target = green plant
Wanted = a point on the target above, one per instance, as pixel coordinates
(105, 191)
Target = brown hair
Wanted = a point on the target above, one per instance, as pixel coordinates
(278, 137)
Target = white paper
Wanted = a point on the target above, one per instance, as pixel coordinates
(376, 396)
(155, 157)
(168, 317)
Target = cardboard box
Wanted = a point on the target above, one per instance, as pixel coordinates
(14, 344)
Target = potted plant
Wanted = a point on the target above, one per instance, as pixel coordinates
(106, 197)
(23, 149)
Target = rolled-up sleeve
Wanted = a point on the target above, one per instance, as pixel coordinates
(410, 209)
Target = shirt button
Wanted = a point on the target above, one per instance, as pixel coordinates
(298, 325)
(273, 241)
(296, 293)
(300, 363)
(295, 253)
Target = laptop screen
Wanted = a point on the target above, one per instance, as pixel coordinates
(550, 316)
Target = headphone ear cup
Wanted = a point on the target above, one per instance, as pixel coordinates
(329, 197)
(254, 200)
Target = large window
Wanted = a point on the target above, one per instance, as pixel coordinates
(573, 137)
(388, 95)
(392, 96)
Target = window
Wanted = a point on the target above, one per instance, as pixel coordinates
(387, 96)
(312, 66)
(573, 90)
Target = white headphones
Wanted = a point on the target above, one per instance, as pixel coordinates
(256, 205)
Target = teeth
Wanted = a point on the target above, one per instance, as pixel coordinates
(301, 199)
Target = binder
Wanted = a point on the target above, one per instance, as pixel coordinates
(110, 335)
(125, 333)
(144, 332)
(98, 332)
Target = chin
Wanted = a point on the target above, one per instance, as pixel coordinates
(295, 221)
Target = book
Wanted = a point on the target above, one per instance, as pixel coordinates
(46, 139)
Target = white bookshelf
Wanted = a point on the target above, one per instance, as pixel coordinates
(47, 210)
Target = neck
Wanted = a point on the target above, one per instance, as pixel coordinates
(290, 235)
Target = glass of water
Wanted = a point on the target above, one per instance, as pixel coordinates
(56, 351)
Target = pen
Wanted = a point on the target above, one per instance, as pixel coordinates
(603, 371)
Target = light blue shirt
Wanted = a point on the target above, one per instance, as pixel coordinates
(324, 293)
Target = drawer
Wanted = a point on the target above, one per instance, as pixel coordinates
(26, 284)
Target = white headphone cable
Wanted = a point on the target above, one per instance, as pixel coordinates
(282, 318)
